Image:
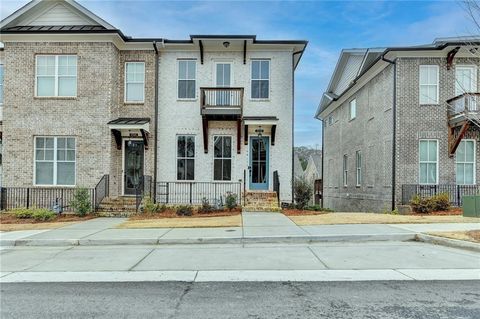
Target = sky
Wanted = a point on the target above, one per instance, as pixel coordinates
(329, 26)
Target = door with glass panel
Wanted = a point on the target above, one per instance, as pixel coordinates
(259, 163)
(133, 165)
(223, 79)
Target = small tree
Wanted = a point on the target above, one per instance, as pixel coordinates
(81, 202)
(303, 192)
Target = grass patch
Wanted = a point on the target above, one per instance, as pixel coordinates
(472, 235)
(183, 222)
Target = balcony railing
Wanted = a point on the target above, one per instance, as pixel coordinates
(467, 104)
(221, 101)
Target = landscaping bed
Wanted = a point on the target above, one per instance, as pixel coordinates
(172, 213)
(10, 218)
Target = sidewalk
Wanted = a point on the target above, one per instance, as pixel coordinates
(257, 228)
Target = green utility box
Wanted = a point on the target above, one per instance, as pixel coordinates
(471, 206)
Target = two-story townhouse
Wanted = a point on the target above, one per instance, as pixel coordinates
(228, 102)
(84, 99)
(79, 100)
(401, 121)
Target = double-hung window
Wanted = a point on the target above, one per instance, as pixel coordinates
(56, 75)
(186, 157)
(55, 161)
(134, 82)
(353, 109)
(222, 158)
(1, 83)
(260, 79)
(465, 162)
(186, 79)
(358, 161)
(428, 161)
(345, 170)
(428, 84)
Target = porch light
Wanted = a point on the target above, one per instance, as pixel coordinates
(226, 44)
(259, 131)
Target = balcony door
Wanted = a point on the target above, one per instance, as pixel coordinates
(466, 82)
(223, 79)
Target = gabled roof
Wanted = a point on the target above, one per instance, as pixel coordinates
(297, 166)
(342, 80)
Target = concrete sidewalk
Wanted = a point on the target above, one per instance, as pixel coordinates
(256, 228)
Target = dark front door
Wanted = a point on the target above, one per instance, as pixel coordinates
(259, 163)
(133, 165)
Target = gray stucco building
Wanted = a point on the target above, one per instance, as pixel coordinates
(401, 121)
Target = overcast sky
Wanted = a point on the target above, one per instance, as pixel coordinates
(329, 26)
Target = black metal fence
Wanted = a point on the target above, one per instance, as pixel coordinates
(101, 190)
(276, 185)
(455, 192)
(39, 197)
(194, 192)
(142, 189)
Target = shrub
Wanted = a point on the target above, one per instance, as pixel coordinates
(23, 213)
(441, 202)
(231, 200)
(430, 204)
(303, 192)
(318, 208)
(185, 210)
(81, 202)
(206, 207)
(43, 215)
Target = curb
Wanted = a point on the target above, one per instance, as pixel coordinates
(211, 240)
(449, 242)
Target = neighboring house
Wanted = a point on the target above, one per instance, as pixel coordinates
(2, 69)
(297, 167)
(313, 174)
(83, 102)
(395, 125)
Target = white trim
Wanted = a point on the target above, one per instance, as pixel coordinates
(345, 170)
(125, 83)
(437, 162)
(354, 103)
(474, 79)
(194, 157)
(222, 158)
(124, 139)
(126, 127)
(260, 122)
(54, 160)
(56, 76)
(474, 163)
(269, 78)
(358, 169)
(437, 84)
(178, 79)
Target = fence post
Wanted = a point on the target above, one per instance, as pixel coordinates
(28, 198)
(190, 193)
(168, 188)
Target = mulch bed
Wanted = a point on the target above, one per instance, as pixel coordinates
(6, 218)
(171, 213)
(453, 211)
(474, 234)
(299, 212)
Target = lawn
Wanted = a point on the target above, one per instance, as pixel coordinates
(184, 222)
(373, 218)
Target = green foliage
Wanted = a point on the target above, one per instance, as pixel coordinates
(231, 200)
(81, 202)
(185, 210)
(391, 212)
(150, 207)
(427, 205)
(206, 207)
(43, 215)
(318, 208)
(303, 192)
(23, 213)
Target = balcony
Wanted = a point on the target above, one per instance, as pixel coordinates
(463, 108)
(221, 103)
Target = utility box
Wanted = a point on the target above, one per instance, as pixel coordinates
(471, 206)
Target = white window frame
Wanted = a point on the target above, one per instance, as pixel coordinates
(125, 83)
(185, 158)
(2, 86)
(55, 161)
(56, 76)
(345, 170)
(352, 106)
(252, 79)
(429, 84)
(428, 162)
(223, 158)
(474, 163)
(358, 165)
(179, 79)
(474, 80)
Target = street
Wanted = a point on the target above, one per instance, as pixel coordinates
(383, 300)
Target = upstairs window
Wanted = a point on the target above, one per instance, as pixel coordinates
(465, 79)
(186, 157)
(134, 81)
(1, 84)
(465, 162)
(428, 84)
(260, 79)
(186, 79)
(353, 109)
(345, 170)
(56, 75)
(428, 161)
(359, 168)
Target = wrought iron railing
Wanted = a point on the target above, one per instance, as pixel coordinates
(221, 97)
(101, 190)
(194, 193)
(143, 189)
(455, 192)
(276, 185)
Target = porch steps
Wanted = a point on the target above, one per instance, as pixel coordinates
(121, 206)
(261, 201)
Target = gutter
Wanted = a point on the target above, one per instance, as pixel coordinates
(394, 124)
(155, 139)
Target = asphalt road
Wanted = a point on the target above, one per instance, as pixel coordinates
(371, 300)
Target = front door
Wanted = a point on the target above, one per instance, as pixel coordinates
(223, 76)
(259, 147)
(132, 165)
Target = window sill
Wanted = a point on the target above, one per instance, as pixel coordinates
(430, 104)
(54, 186)
(55, 97)
(351, 120)
(187, 100)
(133, 103)
(259, 100)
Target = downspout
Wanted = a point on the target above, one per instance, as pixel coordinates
(293, 122)
(155, 139)
(394, 141)
(323, 161)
